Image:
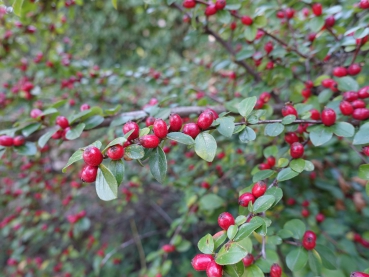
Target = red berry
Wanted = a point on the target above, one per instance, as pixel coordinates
(205, 185)
(58, 134)
(259, 189)
(289, 110)
(328, 117)
(233, 26)
(363, 93)
(360, 274)
(346, 108)
(315, 114)
(296, 150)
(131, 126)
(160, 128)
(6, 141)
(245, 199)
(175, 123)
(291, 201)
(205, 120)
(149, 121)
(340, 72)
(89, 173)
(215, 115)
(92, 156)
(214, 270)
(275, 270)
(354, 69)
(210, 10)
(366, 151)
(62, 121)
(19, 141)
(168, 248)
(311, 37)
(309, 240)
(268, 47)
(248, 260)
(84, 107)
(35, 113)
(281, 14)
(271, 161)
(201, 261)
(329, 21)
(264, 166)
(290, 138)
(320, 218)
(328, 83)
(115, 152)
(361, 114)
(225, 220)
(351, 95)
(191, 129)
(364, 4)
(305, 203)
(306, 92)
(189, 4)
(306, 12)
(265, 97)
(305, 212)
(357, 104)
(149, 141)
(246, 20)
(317, 9)
(290, 13)
(220, 4)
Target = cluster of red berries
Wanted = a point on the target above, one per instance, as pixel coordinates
(352, 70)
(258, 190)
(8, 141)
(211, 9)
(74, 218)
(269, 163)
(353, 104)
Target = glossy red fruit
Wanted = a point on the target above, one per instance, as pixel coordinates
(62, 121)
(296, 150)
(189, 4)
(268, 47)
(19, 141)
(191, 129)
(225, 220)
(84, 107)
(175, 123)
(149, 141)
(357, 104)
(264, 166)
(305, 203)
(92, 156)
(309, 240)
(330, 21)
(366, 151)
(149, 121)
(314, 114)
(245, 199)
(115, 152)
(363, 93)
(246, 20)
(215, 114)
(317, 9)
(205, 120)
(340, 72)
(168, 248)
(306, 92)
(35, 113)
(214, 270)
(361, 114)
(210, 10)
(265, 97)
(350, 96)
(248, 260)
(319, 218)
(205, 185)
(305, 212)
(259, 189)
(290, 13)
(289, 110)
(6, 141)
(220, 4)
(291, 138)
(328, 117)
(354, 69)
(89, 173)
(233, 26)
(311, 37)
(281, 14)
(131, 126)
(357, 273)
(346, 108)
(275, 270)
(328, 83)
(309, 84)
(201, 261)
(271, 161)
(58, 134)
(160, 128)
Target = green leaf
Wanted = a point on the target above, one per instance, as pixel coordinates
(246, 106)
(245, 53)
(77, 156)
(260, 21)
(17, 7)
(158, 164)
(181, 138)
(49, 111)
(106, 184)
(234, 252)
(315, 262)
(235, 270)
(329, 260)
(247, 135)
(165, 268)
(343, 129)
(288, 119)
(205, 146)
(226, 126)
(324, 96)
(276, 192)
(93, 122)
(282, 162)
(59, 104)
(297, 165)
(206, 244)
(284, 234)
(45, 137)
(219, 238)
(115, 4)
(232, 231)
(250, 32)
(296, 226)
(309, 166)
(367, 189)
(361, 136)
(246, 230)
(120, 140)
(97, 144)
(347, 83)
(286, 174)
(263, 203)
(28, 149)
(75, 132)
(134, 152)
(253, 271)
(113, 111)
(364, 171)
(270, 151)
(144, 131)
(273, 129)
(320, 135)
(262, 175)
(316, 23)
(241, 219)
(211, 202)
(117, 168)
(30, 129)
(297, 259)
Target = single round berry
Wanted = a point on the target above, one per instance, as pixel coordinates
(175, 123)
(220, 4)
(215, 114)
(328, 117)
(246, 20)
(351, 96)
(259, 189)
(160, 128)
(309, 84)
(354, 69)
(309, 240)
(201, 261)
(168, 248)
(189, 4)
(306, 92)
(291, 138)
(357, 273)
(92, 156)
(115, 152)
(305, 212)
(296, 150)
(311, 37)
(35, 113)
(214, 270)
(271, 161)
(211, 10)
(191, 129)
(131, 126)
(205, 185)
(328, 83)
(205, 120)
(62, 121)
(149, 141)
(290, 13)
(19, 141)
(58, 134)
(268, 47)
(225, 220)
(265, 97)
(340, 72)
(149, 121)
(6, 141)
(361, 114)
(346, 108)
(264, 166)
(89, 173)
(366, 151)
(358, 104)
(317, 9)
(248, 260)
(275, 270)
(289, 110)
(245, 199)
(84, 107)
(319, 218)
(314, 114)
(362, 93)
(330, 21)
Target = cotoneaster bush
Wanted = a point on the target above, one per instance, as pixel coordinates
(220, 138)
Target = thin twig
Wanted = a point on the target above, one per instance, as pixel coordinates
(137, 240)
(162, 212)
